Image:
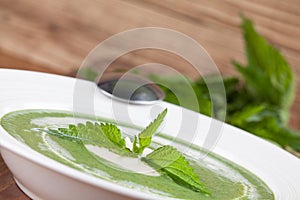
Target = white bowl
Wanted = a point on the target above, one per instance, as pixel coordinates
(42, 178)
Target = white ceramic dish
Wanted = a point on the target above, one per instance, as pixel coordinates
(42, 178)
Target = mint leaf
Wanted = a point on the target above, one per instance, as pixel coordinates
(113, 134)
(87, 73)
(177, 88)
(71, 131)
(145, 137)
(173, 163)
(109, 136)
(266, 123)
(268, 76)
(102, 135)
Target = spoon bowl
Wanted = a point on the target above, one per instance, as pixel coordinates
(130, 88)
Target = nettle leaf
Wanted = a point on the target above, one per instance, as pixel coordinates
(88, 73)
(239, 118)
(71, 131)
(102, 135)
(112, 132)
(177, 88)
(268, 76)
(266, 123)
(173, 163)
(145, 137)
(109, 135)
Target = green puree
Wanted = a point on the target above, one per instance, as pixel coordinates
(223, 178)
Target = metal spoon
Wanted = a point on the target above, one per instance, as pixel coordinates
(130, 88)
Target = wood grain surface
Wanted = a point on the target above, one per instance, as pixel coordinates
(55, 36)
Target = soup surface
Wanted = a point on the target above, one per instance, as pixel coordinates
(225, 179)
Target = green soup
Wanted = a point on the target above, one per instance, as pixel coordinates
(223, 178)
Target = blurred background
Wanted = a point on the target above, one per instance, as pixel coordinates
(55, 36)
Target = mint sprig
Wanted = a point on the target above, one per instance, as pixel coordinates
(102, 135)
(144, 138)
(165, 159)
(267, 75)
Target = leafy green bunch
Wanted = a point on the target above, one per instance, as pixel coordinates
(166, 159)
(258, 101)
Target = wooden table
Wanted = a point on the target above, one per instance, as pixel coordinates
(55, 36)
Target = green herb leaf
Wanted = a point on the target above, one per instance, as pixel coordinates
(177, 88)
(71, 131)
(109, 136)
(145, 137)
(102, 135)
(268, 76)
(113, 134)
(87, 73)
(173, 163)
(266, 123)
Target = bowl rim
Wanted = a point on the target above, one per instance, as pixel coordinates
(8, 142)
